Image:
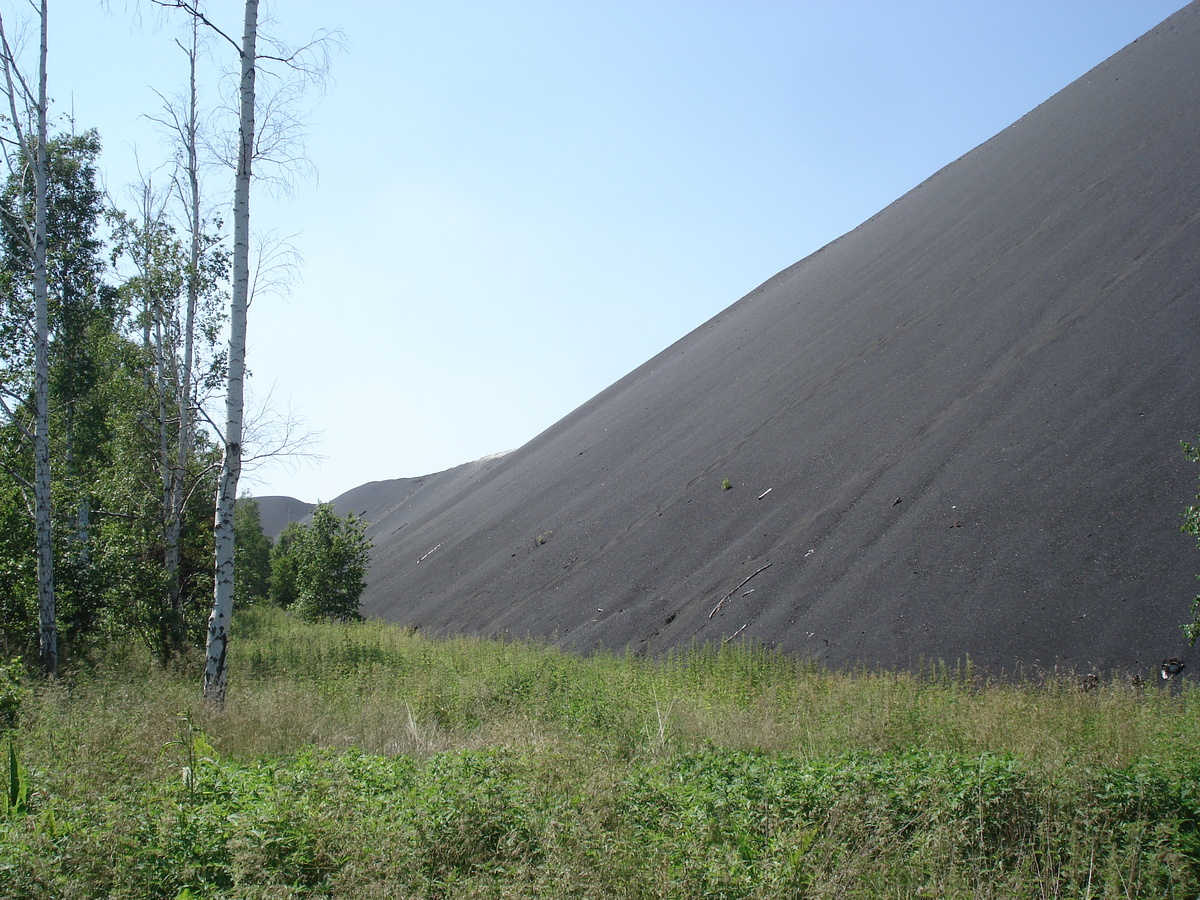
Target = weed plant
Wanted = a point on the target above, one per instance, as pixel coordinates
(369, 761)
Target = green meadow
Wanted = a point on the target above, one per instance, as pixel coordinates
(368, 761)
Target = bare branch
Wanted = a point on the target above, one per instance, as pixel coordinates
(192, 10)
(735, 590)
(198, 481)
(276, 267)
(280, 135)
(202, 411)
(274, 435)
(311, 60)
(11, 70)
(15, 420)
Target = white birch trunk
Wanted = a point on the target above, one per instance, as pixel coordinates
(34, 158)
(222, 610)
(47, 617)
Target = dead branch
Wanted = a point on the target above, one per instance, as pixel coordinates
(735, 634)
(735, 590)
(195, 13)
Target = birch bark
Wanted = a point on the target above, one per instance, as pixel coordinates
(34, 158)
(231, 466)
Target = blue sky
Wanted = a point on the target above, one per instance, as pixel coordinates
(519, 202)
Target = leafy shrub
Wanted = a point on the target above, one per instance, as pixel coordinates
(317, 569)
(470, 813)
(12, 691)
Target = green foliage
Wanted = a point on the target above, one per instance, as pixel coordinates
(16, 796)
(83, 309)
(18, 574)
(12, 692)
(369, 761)
(472, 812)
(726, 484)
(157, 289)
(285, 565)
(251, 555)
(1191, 525)
(194, 752)
(127, 586)
(318, 568)
(84, 319)
(78, 298)
(115, 409)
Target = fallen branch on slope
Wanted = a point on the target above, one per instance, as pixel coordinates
(735, 590)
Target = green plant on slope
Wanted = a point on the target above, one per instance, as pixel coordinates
(11, 692)
(1191, 525)
(16, 797)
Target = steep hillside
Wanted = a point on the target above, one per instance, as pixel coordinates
(389, 506)
(952, 432)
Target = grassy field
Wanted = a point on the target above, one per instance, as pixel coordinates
(365, 761)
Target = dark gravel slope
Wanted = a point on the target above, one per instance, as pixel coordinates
(952, 432)
(275, 513)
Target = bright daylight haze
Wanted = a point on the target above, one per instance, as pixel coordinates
(519, 202)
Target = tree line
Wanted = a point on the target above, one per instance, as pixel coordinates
(122, 369)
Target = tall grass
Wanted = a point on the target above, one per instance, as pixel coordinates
(369, 761)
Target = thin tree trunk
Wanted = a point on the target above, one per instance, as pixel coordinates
(47, 618)
(183, 449)
(35, 159)
(163, 389)
(222, 611)
(154, 337)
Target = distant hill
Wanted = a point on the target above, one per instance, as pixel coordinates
(954, 432)
(386, 506)
(389, 506)
(276, 513)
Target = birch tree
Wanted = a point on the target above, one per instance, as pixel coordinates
(251, 144)
(27, 153)
(175, 333)
(150, 245)
(182, 121)
(185, 327)
(176, 498)
(217, 643)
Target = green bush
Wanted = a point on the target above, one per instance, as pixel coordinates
(12, 691)
(317, 569)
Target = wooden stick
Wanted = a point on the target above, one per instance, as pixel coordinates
(735, 634)
(735, 590)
